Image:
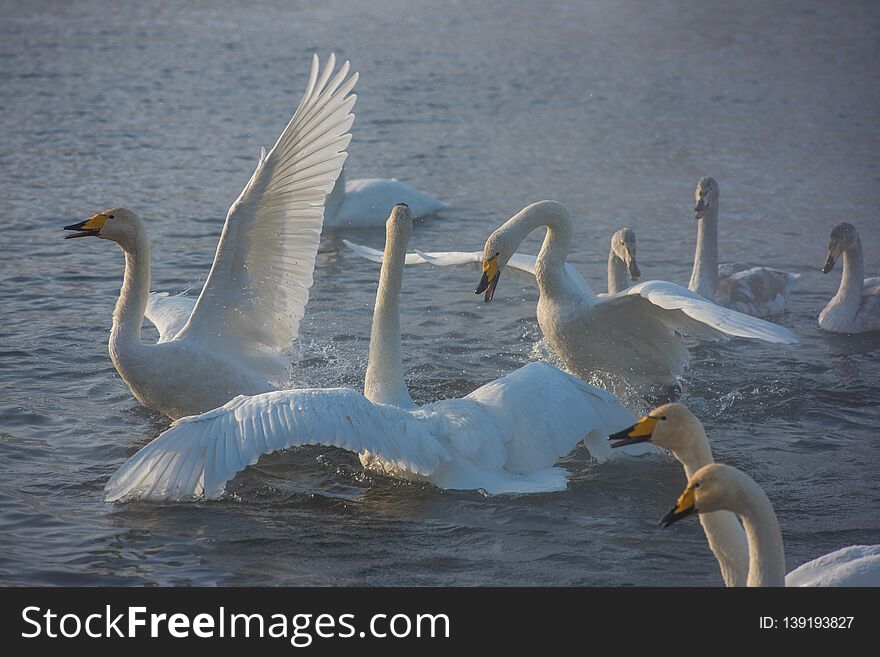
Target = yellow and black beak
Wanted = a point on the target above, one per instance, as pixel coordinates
(640, 432)
(686, 505)
(489, 281)
(91, 227)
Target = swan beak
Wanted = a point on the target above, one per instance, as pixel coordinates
(634, 272)
(88, 228)
(829, 261)
(489, 281)
(640, 432)
(699, 208)
(686, 505)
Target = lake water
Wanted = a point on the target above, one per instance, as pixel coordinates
(614, 108)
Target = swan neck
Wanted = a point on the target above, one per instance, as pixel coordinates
(618, 274)
(698, 452)
(766, 552)
(550, 265)
(704, 277)
(384, 382)
(128, 315)
(852, 280)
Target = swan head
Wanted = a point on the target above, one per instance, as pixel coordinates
(398, 226)
(714, 487)
(119, 225)
(706, 196)
(623, 245)
(496, 254)
(670, 426)
(843, 237)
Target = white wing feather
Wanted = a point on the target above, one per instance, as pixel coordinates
(168, 314)
(258, 287)
(197, 455)
(692, 314)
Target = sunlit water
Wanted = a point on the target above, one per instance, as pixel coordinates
(614, 108)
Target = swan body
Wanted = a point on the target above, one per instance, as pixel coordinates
(634, 333)
(232, 339)
(367, 202)
(674, 428)
(716, 487)
(856, 306)
(503, 437)
(749, 289)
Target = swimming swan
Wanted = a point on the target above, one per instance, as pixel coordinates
(622, 265)
(856, 306)
(717, 487)
(759, 291)
(232, 339)
(503, 437)
(367, 202)
(632, 333)
(674, 428)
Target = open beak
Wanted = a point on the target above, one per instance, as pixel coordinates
(640, 432)
(489, 281)
(91, 227)
(686, 505)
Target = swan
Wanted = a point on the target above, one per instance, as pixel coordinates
(232, 339)
(367, 202)
(633, 333)
(856, 306)
(674, 428)
(718, 487)
(622, 265)
(504, 437)
(759, 291)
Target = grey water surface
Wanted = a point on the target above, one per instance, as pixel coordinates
(615, 108)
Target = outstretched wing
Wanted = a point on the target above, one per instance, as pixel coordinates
(691, 314)
(197, 455)
(256, 293)
(168, 314)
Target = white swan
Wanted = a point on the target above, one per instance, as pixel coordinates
(367, 202)
(232, 339)
(633, 333)
(502, 437)
(717, 487)
(856, 306)
(759, 291)
(623, 270)
(674, 428)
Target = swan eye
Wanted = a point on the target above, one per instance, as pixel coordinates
(697, 485)
(663, 417)
(109, 216)
(497, 253)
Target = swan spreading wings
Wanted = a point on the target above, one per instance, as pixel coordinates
(233, 339)
(503, 437)
(634, 333)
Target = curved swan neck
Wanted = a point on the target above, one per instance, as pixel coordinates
(852, 280)
(384, 382)
(550, 271)
(618, 274)
(704, 276)
(128, 315)
(697, 453)
(766, 552)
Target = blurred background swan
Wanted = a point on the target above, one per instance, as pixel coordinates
(856, 306)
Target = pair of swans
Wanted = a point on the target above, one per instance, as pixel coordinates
(750, 554)
(856, 306)
(503, 437)
(234, 337)
(635, 333)
(759, 291)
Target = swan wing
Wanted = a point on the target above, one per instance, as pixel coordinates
(856, 565)
(168, 313)
(197, 455)
(691, 314)
(258, 287)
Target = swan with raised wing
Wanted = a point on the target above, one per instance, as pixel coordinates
(856, 306)
(750, 289)
(232, 339)
(504, 437)
(717, 487)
